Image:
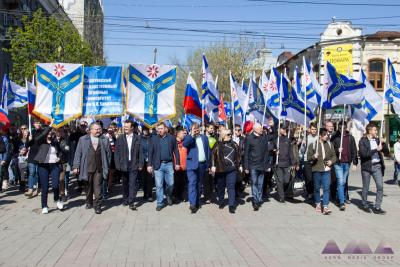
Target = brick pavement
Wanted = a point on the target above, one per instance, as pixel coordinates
(289, 234)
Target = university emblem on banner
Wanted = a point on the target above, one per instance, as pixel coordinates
(59, 92)
(150, 95)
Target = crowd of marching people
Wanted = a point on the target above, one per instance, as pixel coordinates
(197, 166)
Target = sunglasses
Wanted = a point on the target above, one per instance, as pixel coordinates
(229, 134)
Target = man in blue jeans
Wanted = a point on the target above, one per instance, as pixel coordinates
(197, 163)
(346, 154)
(323, 156)
(256, 162)
(163, 151)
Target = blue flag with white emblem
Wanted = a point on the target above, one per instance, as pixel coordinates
(392, 87)
(59, 94)
(150, 94)
(273, 94)
(339, 89)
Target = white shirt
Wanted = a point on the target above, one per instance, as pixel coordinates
(397, 151)
(129, 138)
(200, 148)
(51, 156)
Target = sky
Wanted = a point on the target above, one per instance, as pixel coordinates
(132, 28)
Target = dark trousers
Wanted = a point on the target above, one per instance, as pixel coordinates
(180, 187)
(226, 180)
(308, 177)
(129, 185)
(196, 179)
(93, 186)
(282, 175)
(147, 181)
(267, 186)
(45, 170)
(208, 185)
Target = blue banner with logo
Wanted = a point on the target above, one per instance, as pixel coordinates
(103, 92)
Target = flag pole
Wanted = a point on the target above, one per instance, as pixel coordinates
(279, 117)
(232, 105)
(383, 98)
(247, 104)
(27, 108)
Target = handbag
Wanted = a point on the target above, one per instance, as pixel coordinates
(296, 186)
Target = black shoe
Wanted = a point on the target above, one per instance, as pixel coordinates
(232, 209)
(159, 208)
(282, 200)
(348, 201)
(169, 201)
(366, 209)
(193, 209)
(266, 199)
(89, 206)
(398, 183)
(255, 206)
(379, 211)
(125, 203)
(342, 207)
(221, 206)
(132, 207)
(97, 210)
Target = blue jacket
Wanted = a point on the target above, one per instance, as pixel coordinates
(155, 151)
(192, 160)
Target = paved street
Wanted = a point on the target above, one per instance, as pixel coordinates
(290, 234)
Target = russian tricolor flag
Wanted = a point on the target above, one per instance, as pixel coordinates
(31, 96)
(191, 102)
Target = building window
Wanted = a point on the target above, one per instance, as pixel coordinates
(376, 73)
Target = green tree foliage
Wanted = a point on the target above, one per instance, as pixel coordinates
(46, 39)
(222, 58)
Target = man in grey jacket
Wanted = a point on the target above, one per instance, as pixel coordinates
(91, 161)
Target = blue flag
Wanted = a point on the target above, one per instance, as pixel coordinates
(392, 87)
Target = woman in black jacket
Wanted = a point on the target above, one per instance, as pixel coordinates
(225, 162)
(49, 164)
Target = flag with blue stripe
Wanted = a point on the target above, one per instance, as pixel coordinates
(369, 107)
(392, 87)
(17, 96)
(310, 86)
(293, 108)
(237, 109)
(340, 89)
(210, 95)
(273, 101)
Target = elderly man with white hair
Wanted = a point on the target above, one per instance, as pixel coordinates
(256, 162)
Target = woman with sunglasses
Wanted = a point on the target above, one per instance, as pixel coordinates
(225, 162)
(49, 165)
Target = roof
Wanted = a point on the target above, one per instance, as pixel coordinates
(384, 35)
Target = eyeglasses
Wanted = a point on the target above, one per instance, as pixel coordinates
(229, 134)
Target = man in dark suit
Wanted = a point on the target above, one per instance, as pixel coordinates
(197, 162)
(128, 160)
(162, 152)
(91, 161)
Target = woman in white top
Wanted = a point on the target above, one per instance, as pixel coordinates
(49, 165)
